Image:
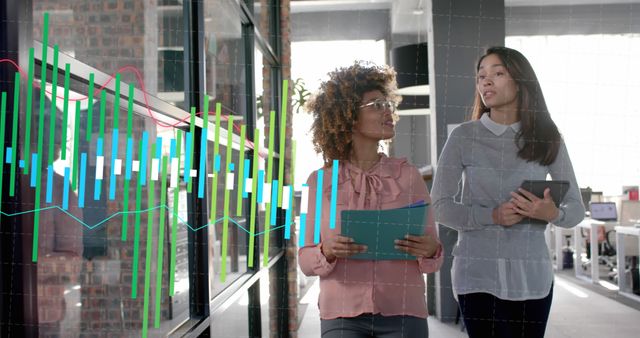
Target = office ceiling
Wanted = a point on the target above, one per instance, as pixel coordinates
(409, 16)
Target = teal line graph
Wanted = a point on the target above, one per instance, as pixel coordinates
(180, 219)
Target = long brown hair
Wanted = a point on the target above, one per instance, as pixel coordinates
(539, 138)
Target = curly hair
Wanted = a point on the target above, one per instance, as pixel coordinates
(335, 105)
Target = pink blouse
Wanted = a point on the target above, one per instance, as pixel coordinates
(351, 287)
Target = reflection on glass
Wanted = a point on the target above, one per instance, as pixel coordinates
(225, 58)
(146, 35)
(106, 243)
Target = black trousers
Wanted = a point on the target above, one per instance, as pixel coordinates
(486, 315)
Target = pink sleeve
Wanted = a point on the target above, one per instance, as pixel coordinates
(312, 261)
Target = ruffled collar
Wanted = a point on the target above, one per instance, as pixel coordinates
(364, 188)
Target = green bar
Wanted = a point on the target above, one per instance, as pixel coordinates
(14, 134)
(192, 129)
(116, 102)
(90, 107)
(76, 146)
(163, 202)
(38, 164)
(130, 111)
(283, 139)
(54, 108)
(205, 113)
(65, 111)
(125, 218)
(29, 103)
(225, 222)
(174, 224)
(241, 171)
(217, 135)
(216, 152)
(136, 241)
(125, 215)
(267, 217)
(254, 188)
(293, 171)
(3, 116)
(103, 107)
(147, 261)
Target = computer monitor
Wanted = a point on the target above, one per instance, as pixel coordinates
(603, 211)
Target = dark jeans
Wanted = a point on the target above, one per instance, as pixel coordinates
(488, 316)
(378, 326)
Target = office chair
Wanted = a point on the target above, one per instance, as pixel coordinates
(606, 249)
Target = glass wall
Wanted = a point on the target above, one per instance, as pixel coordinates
(112, 179)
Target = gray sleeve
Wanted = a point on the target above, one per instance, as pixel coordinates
(571, 207)
(447, 185)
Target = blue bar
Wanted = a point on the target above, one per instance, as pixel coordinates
(202, 173)
(49, 195)
(187, 158)
(260, 184)
(98, 183)
(303, 227)
(245, 189)
(334, 195)
(21, 163)
(217, 163)
(232, 166)
(316, 233)
(159, 152)
(8, 154)
(143, 159)
(172, 151)
(129, 158)
(287, 220)
(65, 192)
(83, 175)
(114, 155)
(274, 201)
(34, 159)
(99, 146)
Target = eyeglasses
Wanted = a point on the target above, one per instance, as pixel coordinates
(381, 105)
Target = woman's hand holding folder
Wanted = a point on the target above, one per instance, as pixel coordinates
(419, 246)
(340, 246)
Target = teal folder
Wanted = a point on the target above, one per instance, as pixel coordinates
(378, 229)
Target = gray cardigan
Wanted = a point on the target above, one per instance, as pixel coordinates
(512, 263)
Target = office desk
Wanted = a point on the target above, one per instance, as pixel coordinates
(622, 231)
(592, 225)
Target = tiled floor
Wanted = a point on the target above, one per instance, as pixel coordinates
(577, 311)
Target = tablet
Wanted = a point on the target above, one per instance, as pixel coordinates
(378, 229)
(558, 189)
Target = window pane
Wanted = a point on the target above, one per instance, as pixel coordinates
(146, 35)
(263, 11)
(225, 56)
(235, 256)
(106, 244)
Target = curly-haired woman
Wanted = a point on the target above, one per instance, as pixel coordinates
(353, 111)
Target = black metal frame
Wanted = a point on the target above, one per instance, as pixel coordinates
(17, 273)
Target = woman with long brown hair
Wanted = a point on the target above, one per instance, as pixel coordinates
(502, 273)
